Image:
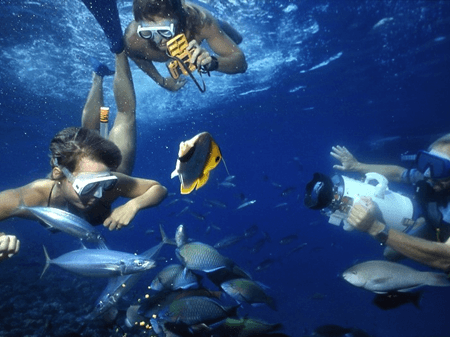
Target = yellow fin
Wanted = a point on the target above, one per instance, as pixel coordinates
(188, 189)
(212, 161)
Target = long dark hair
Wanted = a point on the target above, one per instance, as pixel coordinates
(73, 143)
(189, 19)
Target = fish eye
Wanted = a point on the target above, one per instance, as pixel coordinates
(217, 159)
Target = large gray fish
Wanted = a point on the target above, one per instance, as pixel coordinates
(200, 256)
(383, 276)
(196, 310)
(100, 262)
(245, 290)
(68, 223)
(174, 277)
(196, 158)
(118, 286)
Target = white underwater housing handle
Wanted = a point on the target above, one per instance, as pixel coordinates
(381, 187)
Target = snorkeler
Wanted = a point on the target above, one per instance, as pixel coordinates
(158, 21)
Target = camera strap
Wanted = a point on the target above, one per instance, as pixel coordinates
(181, 64)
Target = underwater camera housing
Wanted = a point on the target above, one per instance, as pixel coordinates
(176, 48)
(335, 196)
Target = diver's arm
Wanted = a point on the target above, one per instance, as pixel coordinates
(350, 164)
(33, 194)
(230, 57)
(433, 254)
(143, 193)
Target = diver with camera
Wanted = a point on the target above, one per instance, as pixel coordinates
(425, 240)
(159, 24)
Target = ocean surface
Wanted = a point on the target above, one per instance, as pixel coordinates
(373, 75)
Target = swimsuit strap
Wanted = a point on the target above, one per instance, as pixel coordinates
(50, 195)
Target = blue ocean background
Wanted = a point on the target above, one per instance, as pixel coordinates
(372, 75)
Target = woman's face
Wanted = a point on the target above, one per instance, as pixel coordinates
(159, 39)
(85, 166)
(442, 184)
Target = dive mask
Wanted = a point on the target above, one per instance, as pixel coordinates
(91, 184)
(433, 164)
(166, 30)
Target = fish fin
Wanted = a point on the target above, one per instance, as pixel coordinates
(185, 189)
(47, 262)
(174, 174)
(164, 238)
(226, 168)
(101, 245)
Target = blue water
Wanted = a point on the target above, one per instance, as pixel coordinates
(371, 75)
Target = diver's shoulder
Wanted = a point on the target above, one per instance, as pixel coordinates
(42, 186)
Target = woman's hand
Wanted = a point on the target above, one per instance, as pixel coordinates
(200, 56)
(348, 161)
(121, 216)
(9, 245)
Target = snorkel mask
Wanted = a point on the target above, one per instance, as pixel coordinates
(91, 184)
(433, 164)
(164, 30)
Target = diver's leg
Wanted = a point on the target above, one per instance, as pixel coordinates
(91, 112)
(230, 31)
(107, 15)
(123, 133)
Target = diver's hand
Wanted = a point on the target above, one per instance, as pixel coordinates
(200, 56)
(362, 216)
(9, 245)
(121, 216)
(348, 161)
(174, 85)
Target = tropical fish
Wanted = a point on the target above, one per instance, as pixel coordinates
(245, 290)
(332, 330)
(100, 262)
(384, 276)
(196, 158)
(202, 257)
(174, 277)
(245, 327)
(196, 310)
(220, 276)
(395, 299)
(251, 231)
(265, 264)
(68, 223)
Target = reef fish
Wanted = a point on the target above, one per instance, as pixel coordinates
(196, 158)
(202, 257)
(384, 276)
(244, 290)
(174, 277)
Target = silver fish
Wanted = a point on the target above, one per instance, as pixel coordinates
(229, 241)
(100, 262)
(245, 204)
(181, 237)
(383, 276)
(118, 286)
(68, 223)
(200, 256)
(245, 290)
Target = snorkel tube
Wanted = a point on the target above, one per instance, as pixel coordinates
(104, 117)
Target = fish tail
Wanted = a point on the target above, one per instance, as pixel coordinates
(164, 238)
(47, 262)
(416, 298)
(438, 280)
(271, 303)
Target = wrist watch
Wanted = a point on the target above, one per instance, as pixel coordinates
(382, 236)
